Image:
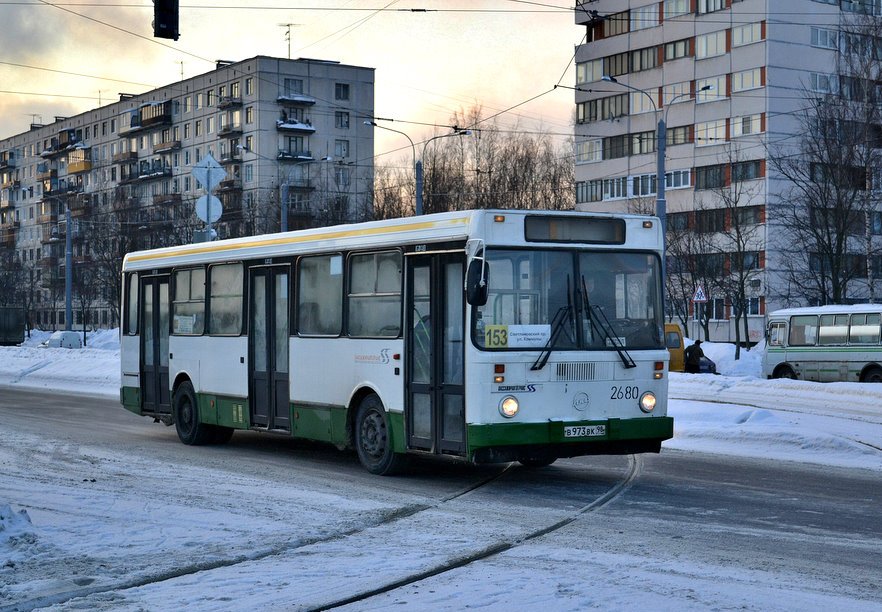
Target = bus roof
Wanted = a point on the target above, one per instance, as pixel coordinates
(434, 228)
(829, 309)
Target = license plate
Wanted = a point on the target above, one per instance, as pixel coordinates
(584, 431)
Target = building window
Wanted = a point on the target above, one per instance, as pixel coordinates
(678, 135)
(293, 87)
(249, 86)
(823, 83)
(678, 179)
(644, 17)
(249, 114)
(747, 170)
(673, 8)
(198, 127)
(341, 91)
(747, 34)
(616, 188)
(589, 151)
(188, 104)
(709, 6)
(642, 103)
(642, 142)
(748, 215)
(710, 177)
(710, 45)
(589, 72)
(341, 120)
(710, 133)
(716, 91)
(616, 65)
(747, 79)
(249, 173)
(747, 124)
(643, 185)
(676, 49)
(616, 24)
(341, 148)
(677, 92)
(234, 89)
(615, 147)
(197, 103)
(710, 220)
(644, 59)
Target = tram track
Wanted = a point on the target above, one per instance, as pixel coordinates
(385, 518)
(635, 466)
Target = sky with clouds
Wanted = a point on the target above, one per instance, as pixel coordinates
(63, 58)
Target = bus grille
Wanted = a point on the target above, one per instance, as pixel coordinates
(582, 371)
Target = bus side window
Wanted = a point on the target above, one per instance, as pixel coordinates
(803, 330)
(776, 334)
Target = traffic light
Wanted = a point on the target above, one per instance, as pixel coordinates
(165, 19)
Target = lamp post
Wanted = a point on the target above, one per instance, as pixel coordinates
(68, 269)
(661, 204)
(418, 163)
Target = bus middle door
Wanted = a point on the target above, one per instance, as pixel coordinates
(434, 314)
(155, 389)
(268, 347)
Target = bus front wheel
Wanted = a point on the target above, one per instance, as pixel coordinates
(373, 441)
(190, 429)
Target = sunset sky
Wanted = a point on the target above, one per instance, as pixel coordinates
(63, 58)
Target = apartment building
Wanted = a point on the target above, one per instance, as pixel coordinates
(730, 79)
(280, 129)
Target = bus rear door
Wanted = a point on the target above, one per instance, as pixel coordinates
(434, 406)
(154, 345)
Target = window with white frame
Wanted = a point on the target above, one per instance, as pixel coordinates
(644, 17)
(673, 8)
(643, 185)
(641, 103)
(589, 72)
(710, 45)
(747, 34)
(716, 91)
(589, 151)
(746, 124)
(676, 92)
(710, 133)
(677, 179)
(615, 188)
(824, 38)
(747, 79)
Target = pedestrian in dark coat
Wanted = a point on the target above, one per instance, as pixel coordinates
(693, 355)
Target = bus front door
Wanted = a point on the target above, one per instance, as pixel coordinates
(154, 345)
(268, 348)
(435, 410)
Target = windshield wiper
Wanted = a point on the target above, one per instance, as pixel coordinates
(601, 324)
(563, 314)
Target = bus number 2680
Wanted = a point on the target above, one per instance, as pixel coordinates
(617, 393)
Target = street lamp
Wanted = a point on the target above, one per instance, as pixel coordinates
(283, 187)
(661, 143)
(68, 262)
(417, 163)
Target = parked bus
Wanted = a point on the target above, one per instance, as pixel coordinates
(825, 343)
(491, 336)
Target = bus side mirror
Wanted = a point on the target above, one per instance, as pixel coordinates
(476, 282)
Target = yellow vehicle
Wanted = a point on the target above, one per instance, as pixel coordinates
(674, 344)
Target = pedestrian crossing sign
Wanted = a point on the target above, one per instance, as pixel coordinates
(699, 295)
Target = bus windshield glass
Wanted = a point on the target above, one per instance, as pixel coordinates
(568, 300)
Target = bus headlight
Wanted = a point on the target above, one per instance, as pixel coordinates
(647, 401)
(509, 406)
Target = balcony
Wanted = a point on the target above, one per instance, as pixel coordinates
(46, 172)
(294, 126)
(164, 147)
(125, 156)
(229, 102)
(79, 166)
(233, 157)
(6, 204)
(7, 160)
(167, 199)
(230, 185)
(295, 99)
(10, 184)
(80, 206)
(230, 129)
(295, 156)
(50, 217)
(64, 142)
(145, 117)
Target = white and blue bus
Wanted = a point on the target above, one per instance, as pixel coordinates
(491, 336)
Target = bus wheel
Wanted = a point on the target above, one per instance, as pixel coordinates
(187, 424)
(873, 375)
(535, 462)
(785, 372)
(372, 440)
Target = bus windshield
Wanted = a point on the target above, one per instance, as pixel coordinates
(568, 300)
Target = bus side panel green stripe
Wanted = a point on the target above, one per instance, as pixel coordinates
(396, 426)
(226, 411)
(323, 423)
(130, 398)
(507, 434)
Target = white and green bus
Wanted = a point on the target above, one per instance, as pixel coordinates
(825, 343)
(491, 336)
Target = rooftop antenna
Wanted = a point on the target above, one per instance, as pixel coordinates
(288, 27)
